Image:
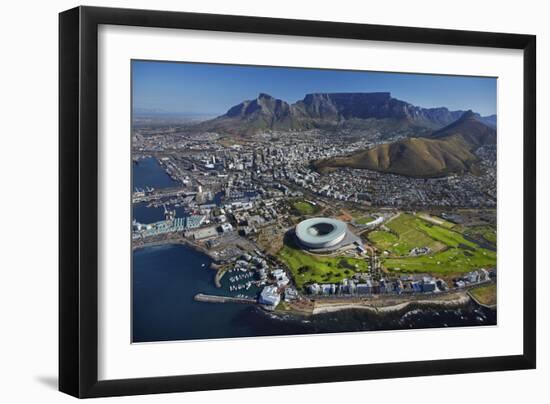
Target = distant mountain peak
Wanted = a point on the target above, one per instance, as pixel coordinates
(468, 115)
(471, 128)
(266, 96)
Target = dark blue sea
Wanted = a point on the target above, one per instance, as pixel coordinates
(166, 278)
(147, 172)
(143, 214)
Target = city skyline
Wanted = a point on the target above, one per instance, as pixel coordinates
(211, 89)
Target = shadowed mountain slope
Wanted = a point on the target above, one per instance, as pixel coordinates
(448, 150)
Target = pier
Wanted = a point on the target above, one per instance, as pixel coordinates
(201, 297)
(156, 195)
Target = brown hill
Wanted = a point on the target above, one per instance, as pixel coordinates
(449, 150)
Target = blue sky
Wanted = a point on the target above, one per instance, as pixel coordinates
(193, 88)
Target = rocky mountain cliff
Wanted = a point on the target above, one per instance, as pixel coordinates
(327, 110)
(342, 106)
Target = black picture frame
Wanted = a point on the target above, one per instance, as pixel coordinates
(78, 201)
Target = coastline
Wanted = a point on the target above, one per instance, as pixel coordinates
(160, 240)
(214, 266)
(378, 307)
(487, 306)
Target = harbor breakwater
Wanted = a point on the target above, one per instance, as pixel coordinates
(201, 297)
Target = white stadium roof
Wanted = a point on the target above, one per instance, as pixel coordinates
(320, 232)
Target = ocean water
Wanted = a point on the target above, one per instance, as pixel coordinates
(148, 172)
(165, 279)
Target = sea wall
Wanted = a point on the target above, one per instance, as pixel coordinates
(391, 306)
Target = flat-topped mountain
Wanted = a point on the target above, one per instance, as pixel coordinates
(342, 106)
(327, 110)
(448, 150)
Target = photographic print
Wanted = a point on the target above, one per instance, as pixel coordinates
(275, 201)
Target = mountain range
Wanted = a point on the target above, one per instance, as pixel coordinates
(448, 150)
(433, 141)
(329, 111)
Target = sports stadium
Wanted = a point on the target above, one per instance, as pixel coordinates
(324, 234)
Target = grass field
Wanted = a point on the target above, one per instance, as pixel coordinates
(451, 261)
(404, 235)
(438, 221)
(364, 219)
(308, 268)
(384, 240)
(487, 233)
(452, 252)
(304, 208)
(446, 236)
(486, 294)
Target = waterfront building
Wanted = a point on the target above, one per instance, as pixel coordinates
(314, 289)
(291, 294)
(472, 277)
(194, 221)
(364, 288)
(442, 285)
(429, 286)
(327, 288)
(205, 233)
(270, 296)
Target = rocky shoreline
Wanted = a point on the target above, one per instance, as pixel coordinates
(377, 307)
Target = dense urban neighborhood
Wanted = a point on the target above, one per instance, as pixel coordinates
(241, 199)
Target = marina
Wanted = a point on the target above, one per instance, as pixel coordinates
(167, 278)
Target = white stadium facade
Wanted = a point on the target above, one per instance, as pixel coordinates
(321, 233)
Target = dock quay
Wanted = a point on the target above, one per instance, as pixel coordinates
(201, 297)
(166, 239)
